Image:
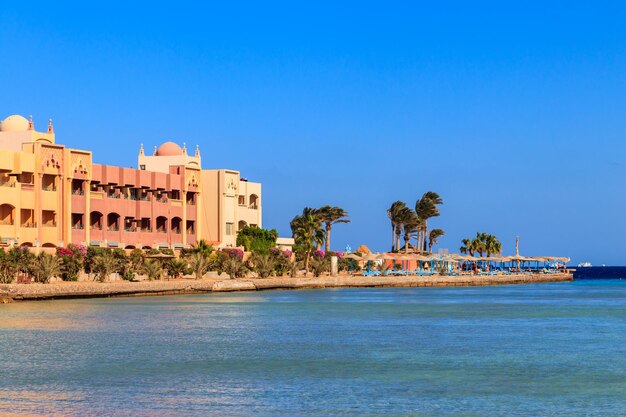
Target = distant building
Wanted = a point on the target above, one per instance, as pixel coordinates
(51, 195)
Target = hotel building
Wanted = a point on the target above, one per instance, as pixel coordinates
(51, 195)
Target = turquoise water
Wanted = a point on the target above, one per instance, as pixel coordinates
(546, 349)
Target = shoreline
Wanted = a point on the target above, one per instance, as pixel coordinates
(89, 289)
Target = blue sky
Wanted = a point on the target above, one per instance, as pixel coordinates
(513, 113)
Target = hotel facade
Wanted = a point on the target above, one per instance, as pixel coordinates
(51, 195)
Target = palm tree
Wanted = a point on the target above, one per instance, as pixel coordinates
(467, 247)
(199, 263)
(329, 216)
(492, 245)
(105, 264)
(426, 207)
(432, 238)
(394, 213)
(478, 243)
(410, 225)
(152, 269)
(263, 264)
(45, 267)
(307, 231)
(234, 267)
(176, 268)
(203, 247)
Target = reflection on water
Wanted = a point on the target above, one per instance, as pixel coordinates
(549, 349)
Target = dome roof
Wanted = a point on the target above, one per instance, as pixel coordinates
(15, 123)
(169, 149)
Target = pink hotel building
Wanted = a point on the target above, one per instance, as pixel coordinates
(51, 195)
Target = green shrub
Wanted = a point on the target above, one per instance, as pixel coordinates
(257, 240)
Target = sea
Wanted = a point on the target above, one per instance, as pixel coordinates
(553, 349)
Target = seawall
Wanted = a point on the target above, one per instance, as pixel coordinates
(60, 290)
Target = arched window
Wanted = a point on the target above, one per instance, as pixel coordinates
(161, 224)
(95, 220)
(177, 224)
(254, 201)
(113, 222)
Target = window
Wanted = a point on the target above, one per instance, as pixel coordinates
(77, 221)
(26, 178)
(77, 187)
(48, 183)
(48, 218)
(142, 167)
(229, 229)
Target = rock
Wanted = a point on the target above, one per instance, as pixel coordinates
(231, 285)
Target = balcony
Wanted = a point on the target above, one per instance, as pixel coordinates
(10, 184)
(50, 224)
(130, 229)
(78, 192)
(29, 225)
(7, 222)
(113, 229)
(78, 227)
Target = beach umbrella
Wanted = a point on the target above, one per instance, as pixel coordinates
(368, 258)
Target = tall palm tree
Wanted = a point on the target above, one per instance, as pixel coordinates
(467, 247)
(394, 212)
(426, 208)
(432, 238)
(330, 216)
(307, 231)
(410, 223)
(492, 245)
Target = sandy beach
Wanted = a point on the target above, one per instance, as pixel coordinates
(89, 289)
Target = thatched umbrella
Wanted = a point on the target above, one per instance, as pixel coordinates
(370, 257)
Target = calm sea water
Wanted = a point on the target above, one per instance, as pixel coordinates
(546, 349)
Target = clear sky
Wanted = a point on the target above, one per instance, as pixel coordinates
(513, 113)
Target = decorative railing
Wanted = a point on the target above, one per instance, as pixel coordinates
(78, 192)
(78, 226)
(113, 229)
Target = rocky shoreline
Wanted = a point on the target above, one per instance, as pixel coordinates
(61, 290)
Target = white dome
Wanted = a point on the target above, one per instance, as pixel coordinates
(15, 123)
